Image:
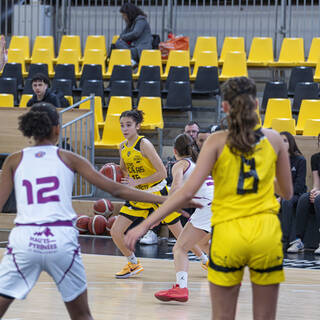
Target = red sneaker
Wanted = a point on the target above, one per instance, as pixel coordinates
(174, 294)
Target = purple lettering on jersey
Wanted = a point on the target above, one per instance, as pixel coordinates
(28, 185)
(40, 194)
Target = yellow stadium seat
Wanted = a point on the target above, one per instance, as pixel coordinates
(261, 52)
(24, 100)
(151, 106)
(71, 42)
(6, 100)
(291, 53)
(312, 127)
(177, 58)
(231, 44)
(114, 39)
(277, 108)
(96, 56)
(149, 58)
(97, 109)
(120, 57)
(70, 99)
(316, 76)
(314, 53)
(44, 42)
(43, 56)
(22, 43)
(97, 43)
(309, 109)
(204, 59)
(119, 104)
(69, 56)
(204, 44)
(235, 65)
(16, 56)
(112, 135)
(283, 124)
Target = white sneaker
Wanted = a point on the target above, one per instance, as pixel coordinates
(296, 246)
(149, 238)
(317, 251)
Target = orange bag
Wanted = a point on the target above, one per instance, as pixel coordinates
(175, 43)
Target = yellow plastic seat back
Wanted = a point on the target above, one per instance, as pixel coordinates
(231, 44)
(283, 124)
(43, 42)
(204, 44)
(24, 100)
(43, 56)
(95, 56)
(71, 42)
(204, 59)
(6, 100)
(22, 43)
(277, 108)
(312, 127)
(261, 52)
(119, 57)
(291, 52)
(117, 105)
(149, 58)
(235, 65)
(309, 109)
(152, 109)
(314, 53)
(69, 56)
(98, 114)
(97, 42)
(16, 56)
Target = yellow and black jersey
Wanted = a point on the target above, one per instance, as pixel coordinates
(137, 165)
(244, 185)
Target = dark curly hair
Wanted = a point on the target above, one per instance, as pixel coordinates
(185, 146)
(131, 11)
(293, 148)
(38, 122)
(240, 93)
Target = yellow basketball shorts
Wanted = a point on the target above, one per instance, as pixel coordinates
(133, 209)
(253, 241)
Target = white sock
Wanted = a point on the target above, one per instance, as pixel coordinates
(182, 279)
(203, 258)
(132, 258)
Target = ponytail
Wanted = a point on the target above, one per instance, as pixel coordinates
(185, 146)
(240, 93)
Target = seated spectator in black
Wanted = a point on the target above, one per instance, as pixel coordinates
(42, 92)
(202, 137)
(308, 203)
(298, 171)
(137, 34)
(192, 128)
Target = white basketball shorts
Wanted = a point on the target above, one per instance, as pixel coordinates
(33, 249)
(201, 219)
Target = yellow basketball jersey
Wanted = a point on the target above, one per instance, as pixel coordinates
(244, 185)
(137, 165)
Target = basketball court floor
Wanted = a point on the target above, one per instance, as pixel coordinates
(133, 298)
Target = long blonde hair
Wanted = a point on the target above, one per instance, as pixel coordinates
(240, 93)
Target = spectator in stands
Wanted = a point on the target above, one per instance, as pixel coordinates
(202, 137)
(192, 128)
(308, 203)
(42, 92)
(137, 34)
(3, 52)
(298, 173)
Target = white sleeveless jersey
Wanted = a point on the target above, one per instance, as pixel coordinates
(205, 193)
(43, 186)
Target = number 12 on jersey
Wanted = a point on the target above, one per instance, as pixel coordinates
(248, 177)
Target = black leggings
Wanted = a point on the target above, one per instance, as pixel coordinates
(304, 208)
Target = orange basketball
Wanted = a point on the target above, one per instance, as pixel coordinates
(82, 224)
(97, 225)
(112, 171)
(103, 207)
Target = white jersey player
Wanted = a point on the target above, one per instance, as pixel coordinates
(44, 238)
